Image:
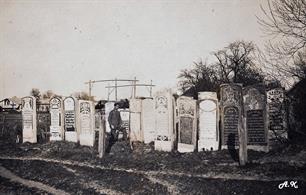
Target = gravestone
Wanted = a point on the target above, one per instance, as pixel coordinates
(136, 133)
(57, 126)
(231, 113)
(187, 124)
(109, 106)
(86, 122)
(29, 130)
(208, 121)
(43, 122)
(71, 132)
(276, 115)
(164, 120)
(148, 120)
(254, 99)
(125, 117)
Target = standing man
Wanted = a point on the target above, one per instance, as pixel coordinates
(115, 122)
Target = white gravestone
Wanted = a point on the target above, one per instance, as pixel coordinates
(164, 121)
(109, 106)
(125, 117)
(148, 120)
(29, 130)
(71, 132)
(187, 124)
(56, 111)
(276, 115)
(136, 133)
(86, 122)
(208, 121)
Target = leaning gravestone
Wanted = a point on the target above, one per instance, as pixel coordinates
(148, 120)
(29, 130)
(187, 124)
(254, 99)
(109, 106)
(56, 127)
(208, 121)
(231, 113)
(276, 114)
(136, 133)
(70, 119)
(164, 120)
(86, 123)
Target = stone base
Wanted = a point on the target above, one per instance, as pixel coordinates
(258, 148)
(149, 136)
(27, 139)
(71, 136)
(87, 139)
(208, 144)
(55, 137)
(166, 146)
(183, 148)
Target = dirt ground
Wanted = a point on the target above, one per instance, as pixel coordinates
(68, 168)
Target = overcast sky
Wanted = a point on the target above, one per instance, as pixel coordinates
(58, 45)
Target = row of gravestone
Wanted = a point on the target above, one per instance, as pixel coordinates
(72, 120)
(210, 123)
(206, 124)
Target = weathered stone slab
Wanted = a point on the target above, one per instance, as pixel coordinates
(70, 115)
(136, 133)
(86, 121)
(109, 106)
(254, 99)
(208, 121)
(57, 119)
(187, 126)
(125, 117)
(149, 133)
(164, 120)
(276, 115)
(29, 130)
(231, 113)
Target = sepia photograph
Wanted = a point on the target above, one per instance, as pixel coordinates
(153, 97)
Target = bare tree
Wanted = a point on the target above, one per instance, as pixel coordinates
(83, 96)
(201, 77)
(36, 93)
(48, 94)
(285, 22)
(236, 63)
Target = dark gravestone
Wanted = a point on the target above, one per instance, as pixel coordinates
(276, 114)
(255, 112)
(231, 113)
(187, 124)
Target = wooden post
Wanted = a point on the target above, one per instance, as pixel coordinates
(243, 157)
(101, 146)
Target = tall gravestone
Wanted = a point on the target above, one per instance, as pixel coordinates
(109, 106)
(86, 122)
(231, 113)
(208, 121)
(148, 120)
(187, 124)
(29, 130)
(125, 117)
(276, 115)
(254, 100)
(164, 120)
(136, 133)
(57, 126)
(70, 118)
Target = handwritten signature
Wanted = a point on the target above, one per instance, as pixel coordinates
(288, 184)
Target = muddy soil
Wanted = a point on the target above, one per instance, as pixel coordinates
(138, 169)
